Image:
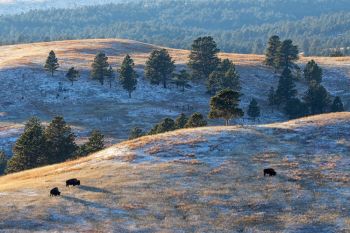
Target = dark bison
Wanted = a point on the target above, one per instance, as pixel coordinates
(270, 172)
(55, 192)
(72, 182)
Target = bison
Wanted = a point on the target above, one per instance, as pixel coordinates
(55, 192)
(270, 172)
(72, 182)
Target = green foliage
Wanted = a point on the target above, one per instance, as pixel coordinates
(287, 53)
(136, 133)
(225, 105)
(127, 75)
(59, 140)
(203, 58)
(196, 120)
(72, 75)
(181, 121)
(253, 109)
(337, 105)
(30, 150)
(295, 108)
(286, 87)
(3, 162)
(165, 125)
(159, 67)
(224, 77)
(273, 46)
(318, 26)
(317, 98)
(51, 64)
(96, 142)
(100, 67)
(181, 80)
(313, 72)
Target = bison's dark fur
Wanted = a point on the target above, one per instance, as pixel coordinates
(270, 172)
(72, 182)
(55, 192)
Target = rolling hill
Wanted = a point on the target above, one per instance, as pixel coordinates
(27, 90)
(196, 180)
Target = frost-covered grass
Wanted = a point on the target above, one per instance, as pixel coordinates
(26, 90)
(196, 180)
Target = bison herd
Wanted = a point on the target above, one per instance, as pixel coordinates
(70, 182)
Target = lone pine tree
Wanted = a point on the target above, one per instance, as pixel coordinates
(30, 149)
(100, 67)
(253, 109)
(317, 98)
(203, 59)
(159, 67)
(127, 75)
(73, 75)
(225, 105)
(51, 64)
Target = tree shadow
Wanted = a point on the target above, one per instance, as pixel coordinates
(93, 189)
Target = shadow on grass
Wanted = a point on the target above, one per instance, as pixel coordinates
(94, 189)
(84, 202)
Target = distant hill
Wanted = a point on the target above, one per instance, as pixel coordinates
(195, 180)
(241, 26)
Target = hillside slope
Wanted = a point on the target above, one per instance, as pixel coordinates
(196, 180)
(28, 90)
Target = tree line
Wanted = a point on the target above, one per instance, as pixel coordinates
(39, 146)
(318, 27)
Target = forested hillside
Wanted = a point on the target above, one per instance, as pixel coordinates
(317, 27)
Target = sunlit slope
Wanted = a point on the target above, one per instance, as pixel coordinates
(196, 180)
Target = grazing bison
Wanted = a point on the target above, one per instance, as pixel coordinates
(55, 192)
(72, 182)
(270, 172)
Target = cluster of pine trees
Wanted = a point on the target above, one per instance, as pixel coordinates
(316, 100)
(55, 143)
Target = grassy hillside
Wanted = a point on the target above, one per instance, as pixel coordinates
(196, 180)
(27, 90)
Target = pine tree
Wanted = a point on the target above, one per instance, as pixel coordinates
(72, 75)
(181, 121)
(159, 67)
(127, 75)
(317, 98)
(60, 140)
(337, 105)
(295, 108)
(136, 133)
(181, 80)
(110, 76)
(165, 125)
(271, 52)
(224, 77)
(313, 72)
(51, 64)
(225, 105)
(100, 67)
(30, 150)
(286, 87)
(196, 120)
(287, 53)
(253, 109)
(3, 162)
(203, 58)
(96, 142)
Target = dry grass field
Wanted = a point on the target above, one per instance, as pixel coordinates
(196, 180)
(28, 90)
